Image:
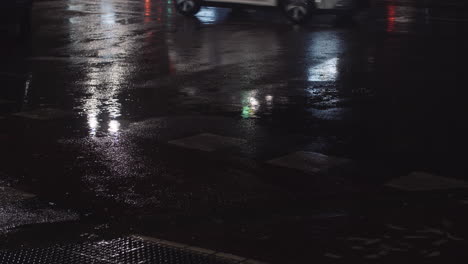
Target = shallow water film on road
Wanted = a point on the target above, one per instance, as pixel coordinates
(233, 131)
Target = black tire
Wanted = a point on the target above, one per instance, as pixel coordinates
(297, 11)
(188, 7)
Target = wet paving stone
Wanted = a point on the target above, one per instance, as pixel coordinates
(250, 261)
(368, 91)
(8, 194)
(398, 241)
(309, 162)
(44, 114)
(18, 208)
(330, 114)
(208, 142)
(6, 102)
(421, 181)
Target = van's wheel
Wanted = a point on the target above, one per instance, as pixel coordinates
(297, 11)
(188, 7)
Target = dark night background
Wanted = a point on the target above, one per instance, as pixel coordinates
(237, 131)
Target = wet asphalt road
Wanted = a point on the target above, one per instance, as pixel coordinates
(101, 87)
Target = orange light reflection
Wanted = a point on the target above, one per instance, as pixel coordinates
(391, 18)
(147, 11)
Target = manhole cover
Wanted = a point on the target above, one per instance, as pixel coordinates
(128, 250)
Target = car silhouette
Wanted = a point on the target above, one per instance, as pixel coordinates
(297, 11)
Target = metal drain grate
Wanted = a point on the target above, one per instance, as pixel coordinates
(128, 250)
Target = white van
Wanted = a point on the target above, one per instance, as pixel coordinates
(298, 11)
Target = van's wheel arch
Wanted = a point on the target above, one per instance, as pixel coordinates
(188, 7)
(297, 11)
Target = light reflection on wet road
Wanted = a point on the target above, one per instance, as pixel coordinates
(133, 75)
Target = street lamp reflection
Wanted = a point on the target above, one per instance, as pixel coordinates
(324, 72)
(114, 127)
(105, 73)
(250, 105)
(207, 15)
(108, 13)
(93, 124)
(147, 11)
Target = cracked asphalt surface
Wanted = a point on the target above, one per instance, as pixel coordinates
(92, 103)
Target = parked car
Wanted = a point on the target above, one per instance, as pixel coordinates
(16, 13)
(298, 11)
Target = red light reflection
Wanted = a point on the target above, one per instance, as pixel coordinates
(147, 11)
(391, 18)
